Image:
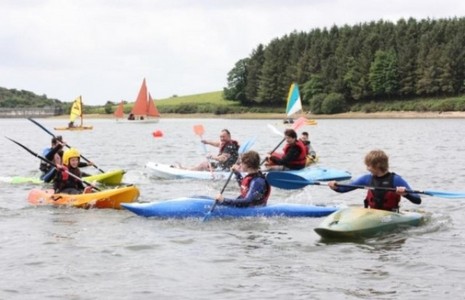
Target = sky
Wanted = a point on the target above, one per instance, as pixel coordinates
(103, 49)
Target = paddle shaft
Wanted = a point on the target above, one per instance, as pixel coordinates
(51, 163)
(375, 188)
(46, 130)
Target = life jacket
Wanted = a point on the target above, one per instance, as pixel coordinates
(302, 158)
(234, 156)
(64, 180)
(382, 199)
(245, 185)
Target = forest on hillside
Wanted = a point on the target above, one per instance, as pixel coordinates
(341, 67)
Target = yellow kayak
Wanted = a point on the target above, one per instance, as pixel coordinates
(111, 198)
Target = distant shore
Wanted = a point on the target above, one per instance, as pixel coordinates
(349, 115)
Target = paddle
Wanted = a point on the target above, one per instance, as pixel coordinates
(243, 148)
(45, 129)
(199, 130)
(291, 181)
(52, 164)
(296, 125)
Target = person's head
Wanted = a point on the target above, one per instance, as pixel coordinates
(225, 135)
(71, 157)
(304, 136)
(377, 161)
(56, 139)
(251, 159)
(290, 135)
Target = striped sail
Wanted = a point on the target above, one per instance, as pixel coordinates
(294, 104)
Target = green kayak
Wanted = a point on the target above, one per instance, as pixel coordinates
(108, 178)
(362, 222)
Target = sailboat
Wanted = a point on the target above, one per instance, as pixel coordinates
(76, 111)
(294, 105)
(144, 109)
(119, 112)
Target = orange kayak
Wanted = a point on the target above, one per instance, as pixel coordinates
(111, 198)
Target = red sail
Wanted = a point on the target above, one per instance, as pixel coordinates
(140, 106)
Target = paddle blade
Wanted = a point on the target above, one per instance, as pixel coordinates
(444, 194)
(288, 181)
(299, 123)
(247, 145)
(275, 130)
(199, 130)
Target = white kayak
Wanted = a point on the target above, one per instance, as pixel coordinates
(316, 173)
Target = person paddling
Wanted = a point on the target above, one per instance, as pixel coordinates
(255, 189)
(295, 154)
(377, 163)
(227, 155)
(66, 183)
(53, 154)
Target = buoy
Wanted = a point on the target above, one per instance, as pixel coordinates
(157, 133)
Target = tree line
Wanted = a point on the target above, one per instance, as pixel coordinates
(341, 67)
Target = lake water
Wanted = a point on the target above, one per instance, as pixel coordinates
(67, 253)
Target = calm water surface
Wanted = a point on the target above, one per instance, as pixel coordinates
(66, 253)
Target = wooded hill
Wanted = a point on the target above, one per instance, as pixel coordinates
(342, 68)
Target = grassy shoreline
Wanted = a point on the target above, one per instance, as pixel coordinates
(349, 115)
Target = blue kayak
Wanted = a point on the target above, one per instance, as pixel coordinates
(199, 207)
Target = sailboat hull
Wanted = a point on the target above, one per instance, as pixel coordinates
(78, 128)
(145, 121)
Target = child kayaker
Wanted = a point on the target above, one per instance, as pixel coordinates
(64, 181)
(255, 189)
(377, 163)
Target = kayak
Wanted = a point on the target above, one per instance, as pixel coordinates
(315, 173)
(365, 222)
(108, 178)
(111, 198)
(198, 207)
(113, 177)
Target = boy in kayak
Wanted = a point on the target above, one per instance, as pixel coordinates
(377, 163)
(227, 155)
(294, 157)
(311, 154)
(65, 182)
(255, 189)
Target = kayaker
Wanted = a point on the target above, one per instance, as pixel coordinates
(66, 183)
(226, 157)
(377, 163)
(53, 154)
(294, 157)
(311, 154)
(255, 189)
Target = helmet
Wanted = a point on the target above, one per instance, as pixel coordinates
(71, 152)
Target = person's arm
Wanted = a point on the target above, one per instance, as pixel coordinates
(211, 143)
(362, 180)
(400, 182)
(256, 191)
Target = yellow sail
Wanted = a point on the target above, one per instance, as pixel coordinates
(76, 109)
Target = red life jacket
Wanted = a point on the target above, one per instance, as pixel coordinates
(382, 199)
(245, 185)
(302, 159)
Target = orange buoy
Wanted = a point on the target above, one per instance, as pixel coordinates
(157, 133)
